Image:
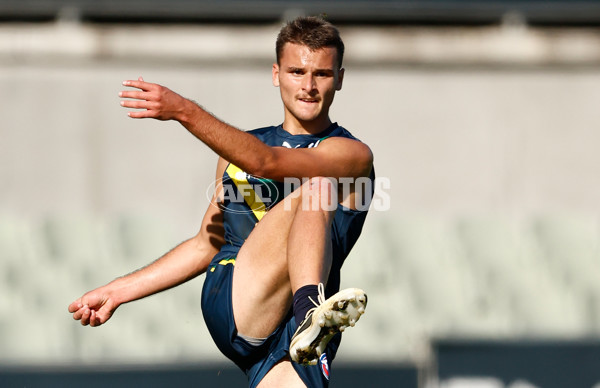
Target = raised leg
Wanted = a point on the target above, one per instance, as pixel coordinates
(290, 247)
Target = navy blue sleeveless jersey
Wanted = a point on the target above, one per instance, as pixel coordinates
(247, 199)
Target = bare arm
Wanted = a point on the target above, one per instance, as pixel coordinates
(335, 157)
(186, 261)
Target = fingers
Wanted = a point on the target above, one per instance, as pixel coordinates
(76, 305)
(93, 319)
(140, 99)
(144, 114)
(139, 104)
(88, 316)
(135, 94)
(140, 84)
(99, 317)
(82, 314)
(78, 314)
(85, 317)
(146, 106)
(81, 310)
(93, 309)
(151, 101)
(148, 109)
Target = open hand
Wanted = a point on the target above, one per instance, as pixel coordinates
(153, 100)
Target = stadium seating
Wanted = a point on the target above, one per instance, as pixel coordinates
(466, 277)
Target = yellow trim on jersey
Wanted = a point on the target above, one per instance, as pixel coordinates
(227, 261)
(223, 262)
(252, 199)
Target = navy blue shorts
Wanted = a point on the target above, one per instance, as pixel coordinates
(254, 360)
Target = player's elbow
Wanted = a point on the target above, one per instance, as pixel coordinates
(363, 161)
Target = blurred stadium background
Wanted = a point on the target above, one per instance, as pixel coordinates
(483, 115)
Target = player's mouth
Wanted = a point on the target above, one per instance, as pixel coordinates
(309, 100)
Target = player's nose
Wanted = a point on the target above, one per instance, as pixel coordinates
(308, 83)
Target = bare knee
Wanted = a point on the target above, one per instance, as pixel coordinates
(282, 375)
(319, 194)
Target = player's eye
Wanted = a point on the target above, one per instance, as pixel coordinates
(324, 74)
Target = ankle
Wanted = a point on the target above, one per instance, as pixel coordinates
(304, 300)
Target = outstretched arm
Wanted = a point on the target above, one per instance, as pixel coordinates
(335, 157)
(186, 261)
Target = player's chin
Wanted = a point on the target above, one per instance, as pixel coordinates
(308, 114)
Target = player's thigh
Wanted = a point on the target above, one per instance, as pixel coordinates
(263, 256)
(282, 375)
(261, 291)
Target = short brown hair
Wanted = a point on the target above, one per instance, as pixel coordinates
(311, 31)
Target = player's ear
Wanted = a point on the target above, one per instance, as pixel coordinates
(340, 79)
(276, 75)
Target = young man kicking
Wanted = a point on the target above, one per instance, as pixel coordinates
(271, 250)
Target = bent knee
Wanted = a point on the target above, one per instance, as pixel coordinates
(319, 193)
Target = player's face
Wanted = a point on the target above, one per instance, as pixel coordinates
(307, 81)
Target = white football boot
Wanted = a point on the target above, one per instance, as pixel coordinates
(323, 321)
